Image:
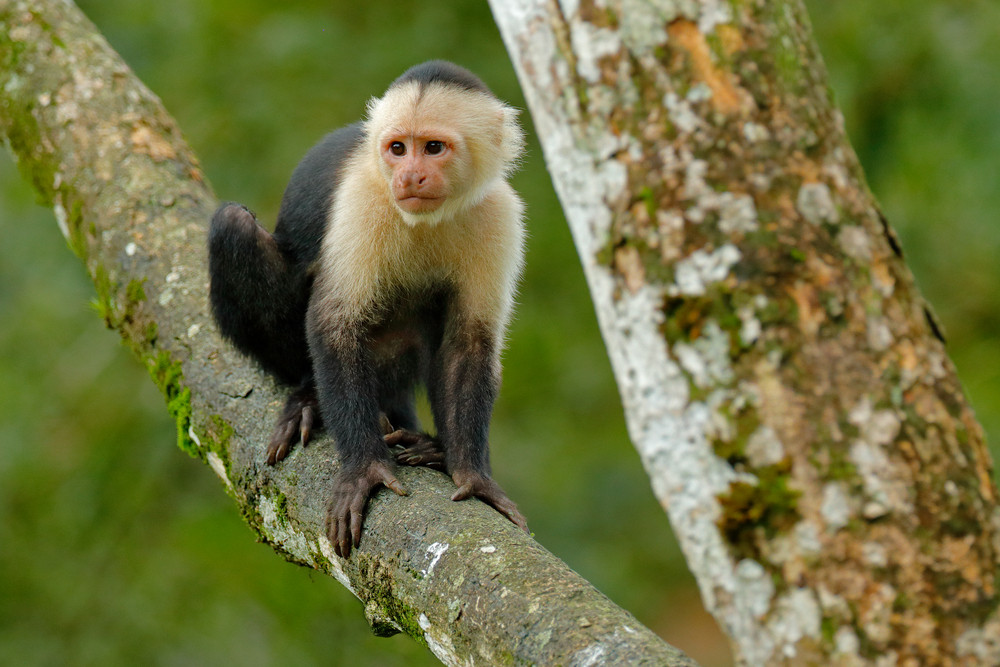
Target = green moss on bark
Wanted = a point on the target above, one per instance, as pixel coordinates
(168, 375)
(769, 507)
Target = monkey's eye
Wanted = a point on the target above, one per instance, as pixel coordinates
(397, 148)
(434, 147)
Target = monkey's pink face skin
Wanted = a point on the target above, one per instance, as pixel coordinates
(419, 171)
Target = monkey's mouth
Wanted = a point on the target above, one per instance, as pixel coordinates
(417, 204)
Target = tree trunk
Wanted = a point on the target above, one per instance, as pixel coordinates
(784, 383)
(133, 203)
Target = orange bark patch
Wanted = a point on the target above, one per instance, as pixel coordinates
(732, 40)
(629, 265)
(811, 314)
(155, 146)
(725, 93)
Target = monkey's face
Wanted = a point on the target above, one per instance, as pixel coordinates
(420, 167)
(439, 148)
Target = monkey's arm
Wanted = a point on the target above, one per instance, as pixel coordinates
(464, 385)
(347, 389)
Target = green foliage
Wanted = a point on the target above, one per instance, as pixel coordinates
(115, 550)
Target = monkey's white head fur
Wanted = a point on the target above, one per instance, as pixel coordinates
(482, 131)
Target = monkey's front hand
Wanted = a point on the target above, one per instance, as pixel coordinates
(471, 483)
(351, 490)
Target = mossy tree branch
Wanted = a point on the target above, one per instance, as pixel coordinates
(133, 203)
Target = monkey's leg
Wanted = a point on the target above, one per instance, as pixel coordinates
(465, 380)
(258, 297)
(258, 300)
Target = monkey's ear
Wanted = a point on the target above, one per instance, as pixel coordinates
(509, 130)
(498, 134)
(512, 136)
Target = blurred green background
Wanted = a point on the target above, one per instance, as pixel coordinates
(117, 549)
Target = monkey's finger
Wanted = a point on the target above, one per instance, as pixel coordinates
(280, 443)
(497, 499)
(401, 437)
(408, 458)
(357, 514)
(343, 537)
(391, 482)
(509, 510)
(279, 453)
(332, 533)
(428, 455)
(305, 428)
(385, 424)
(274, 452)
(394, 438)
(425, 453)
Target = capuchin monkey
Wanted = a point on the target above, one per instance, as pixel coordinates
(394, 261)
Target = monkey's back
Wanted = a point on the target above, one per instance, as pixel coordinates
(305, 206)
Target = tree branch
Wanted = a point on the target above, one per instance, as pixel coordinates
(133, 203)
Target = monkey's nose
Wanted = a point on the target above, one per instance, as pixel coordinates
(410, 179)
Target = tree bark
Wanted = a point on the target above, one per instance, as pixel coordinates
(133, 203)
(784, 383)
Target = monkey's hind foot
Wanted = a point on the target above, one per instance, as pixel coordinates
(418, 449)
(297, 421)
